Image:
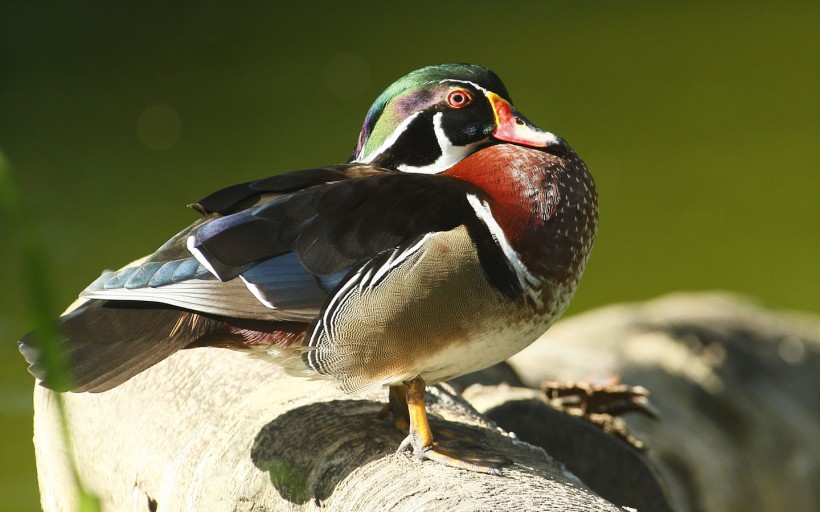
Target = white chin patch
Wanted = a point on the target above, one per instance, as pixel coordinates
(450, 154)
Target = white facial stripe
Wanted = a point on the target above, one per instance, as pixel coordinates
(549, 138)
(450, 154)
(482, 211)
(401, 128)
(449, 81)
(443, 141)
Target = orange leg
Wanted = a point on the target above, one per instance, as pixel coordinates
(420, 438)
(397, 405)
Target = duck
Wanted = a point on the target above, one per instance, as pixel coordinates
(453, 237)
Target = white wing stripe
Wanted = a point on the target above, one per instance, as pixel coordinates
(396, 259)
(198, 255)
(215, 297)
(365, 277)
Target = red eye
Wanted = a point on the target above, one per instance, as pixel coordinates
(459, 98)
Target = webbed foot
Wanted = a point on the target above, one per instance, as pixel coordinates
(451, 452)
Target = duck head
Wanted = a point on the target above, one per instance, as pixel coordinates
(432, 118)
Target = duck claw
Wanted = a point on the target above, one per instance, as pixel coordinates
(602, 404)
(455, 459)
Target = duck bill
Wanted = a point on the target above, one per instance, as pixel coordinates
(512, 127)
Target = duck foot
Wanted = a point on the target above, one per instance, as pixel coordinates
(470, 460)
(397, 406)
(602, 404)
(451, 452)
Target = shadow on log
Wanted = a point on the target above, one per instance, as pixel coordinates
(211, 429)
(736, 386)
(216, 430)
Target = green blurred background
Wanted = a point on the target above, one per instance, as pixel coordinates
(699, 121)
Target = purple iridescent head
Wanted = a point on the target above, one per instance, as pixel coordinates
(433, 117)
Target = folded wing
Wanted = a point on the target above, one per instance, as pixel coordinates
(259, 267)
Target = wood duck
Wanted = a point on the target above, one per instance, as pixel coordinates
(454, 236)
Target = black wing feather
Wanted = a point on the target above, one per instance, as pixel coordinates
(106, 343)
(333, 219)
(238, 197)
(341, 224)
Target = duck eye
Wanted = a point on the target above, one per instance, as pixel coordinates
(459, 98)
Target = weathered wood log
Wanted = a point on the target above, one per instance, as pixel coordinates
(211, 429)
(737, 387)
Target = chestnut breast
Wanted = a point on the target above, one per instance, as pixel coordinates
(546, 204)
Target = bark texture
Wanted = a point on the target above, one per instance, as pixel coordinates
(211, 429)
(736, 386)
